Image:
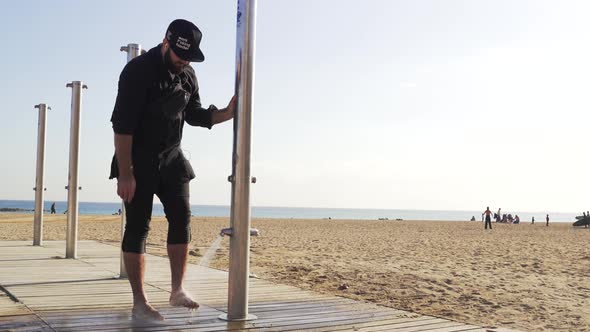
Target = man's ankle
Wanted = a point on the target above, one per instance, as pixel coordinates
(140, 301)
(177, 290)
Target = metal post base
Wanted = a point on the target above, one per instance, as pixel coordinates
(249, 317)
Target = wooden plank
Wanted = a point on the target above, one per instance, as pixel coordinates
(434, 324)
(8, 307)
(185, 320)
(113, 321)
(295, 323)
(351, 324)
(28, 322)
(370, 322)
(276, 323)
(176, 323)
(91, 298)
(97, 313)
(14, 312)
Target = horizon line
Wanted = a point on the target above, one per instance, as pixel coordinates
(302, 207)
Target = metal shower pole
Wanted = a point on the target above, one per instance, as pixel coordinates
(133, 50)
(39, 189)
(239, 253)
(72, 226)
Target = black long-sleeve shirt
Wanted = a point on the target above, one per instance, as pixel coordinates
(143, 84)
(144, 80)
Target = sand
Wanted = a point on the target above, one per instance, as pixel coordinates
(525, 277)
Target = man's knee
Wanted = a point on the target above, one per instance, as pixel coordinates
(178, 213)
(135, 237)
(139, 214)
(179, 233)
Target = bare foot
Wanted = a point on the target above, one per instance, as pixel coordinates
(144, 311)
(182, 299)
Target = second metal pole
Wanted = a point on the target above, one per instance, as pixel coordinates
(39, 186)
(72, 225)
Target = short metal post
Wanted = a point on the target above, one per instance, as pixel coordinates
(239, 252)
(133, 50)
(72, 225)
(39, 188)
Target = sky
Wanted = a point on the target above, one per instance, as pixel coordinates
(425, 104)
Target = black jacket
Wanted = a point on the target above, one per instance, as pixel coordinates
(152, 105)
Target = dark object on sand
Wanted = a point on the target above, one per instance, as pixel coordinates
(582, 222)
(343, 287)
(14, 210)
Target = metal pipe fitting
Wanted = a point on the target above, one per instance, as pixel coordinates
(230, 232)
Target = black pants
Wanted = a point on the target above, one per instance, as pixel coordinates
(488, 221)
(172, 188)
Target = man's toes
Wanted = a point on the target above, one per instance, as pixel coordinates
(146, 313)
(183, 300)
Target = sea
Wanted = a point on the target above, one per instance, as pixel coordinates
(100, 208)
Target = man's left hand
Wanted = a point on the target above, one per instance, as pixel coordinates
(231, 107)
(226, 113)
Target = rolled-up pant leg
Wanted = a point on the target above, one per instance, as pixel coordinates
(175, 198)
(139, 214)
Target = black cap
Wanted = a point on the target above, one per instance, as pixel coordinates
(184, 38)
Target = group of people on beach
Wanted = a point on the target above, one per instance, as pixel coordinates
(507, 218)
(585, 216)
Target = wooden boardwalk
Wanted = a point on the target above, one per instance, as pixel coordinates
(42, 291)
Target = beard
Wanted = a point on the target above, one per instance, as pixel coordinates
(172, 67)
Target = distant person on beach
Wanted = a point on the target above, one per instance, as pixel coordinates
(547, 218)
(157, 94)
(53, 208)
(488, 214)
(499, 214)
(533, 220)
(472, 218)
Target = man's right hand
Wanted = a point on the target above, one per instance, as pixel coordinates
(125, 180)
(126, 187)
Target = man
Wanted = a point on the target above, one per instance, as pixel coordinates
(488, 214)
(547, 219)
(157, 93)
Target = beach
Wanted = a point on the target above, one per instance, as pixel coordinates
(524, 277)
